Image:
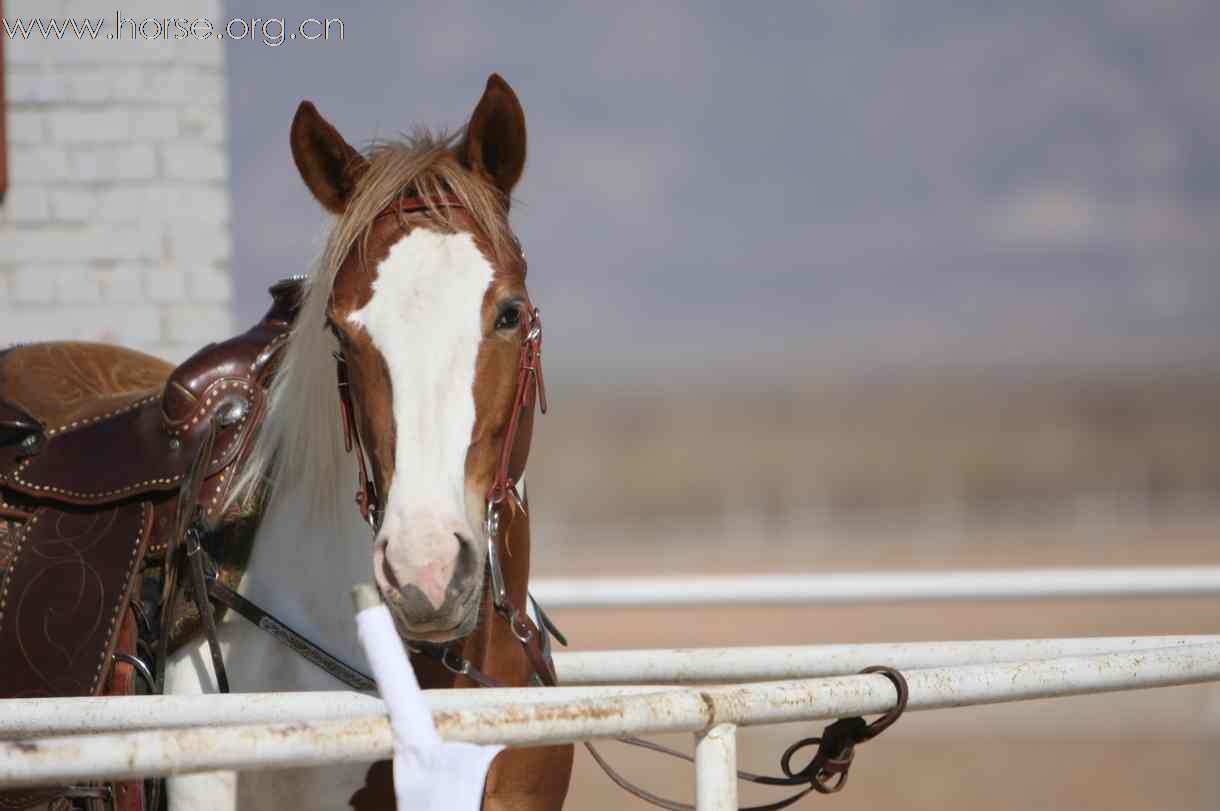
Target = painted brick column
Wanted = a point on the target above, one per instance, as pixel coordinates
(116, 223)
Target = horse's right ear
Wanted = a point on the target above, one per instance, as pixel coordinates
(329, 165)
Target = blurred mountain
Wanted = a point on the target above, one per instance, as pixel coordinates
(955, 454)
(797, 191)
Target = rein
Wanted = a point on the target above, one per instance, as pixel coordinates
(825, 773)
(503, 490)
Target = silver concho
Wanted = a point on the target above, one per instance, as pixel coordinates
(233, 413)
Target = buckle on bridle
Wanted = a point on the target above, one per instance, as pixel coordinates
(491, 526)
(521, 628)
(535, 332)
(454, 663)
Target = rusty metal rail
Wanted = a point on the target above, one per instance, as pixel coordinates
(465, 715)
(623, 672)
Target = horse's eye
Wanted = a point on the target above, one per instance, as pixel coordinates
(509, 318)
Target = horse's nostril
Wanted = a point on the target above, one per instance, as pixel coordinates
(467, 563)
(388, 571)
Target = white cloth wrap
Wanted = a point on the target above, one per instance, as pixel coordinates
(430, 774)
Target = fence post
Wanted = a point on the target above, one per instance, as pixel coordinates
(716, 769)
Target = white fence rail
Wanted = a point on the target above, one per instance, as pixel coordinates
(771, 663)
(881, 587)
(48, 741)
(533, 717)
(625, 672)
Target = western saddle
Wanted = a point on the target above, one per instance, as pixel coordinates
(107, 455)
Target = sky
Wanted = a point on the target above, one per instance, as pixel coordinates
(796, 192)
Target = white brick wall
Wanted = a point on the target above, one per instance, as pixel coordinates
(116, 223)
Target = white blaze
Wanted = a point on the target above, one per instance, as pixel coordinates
(425, 319)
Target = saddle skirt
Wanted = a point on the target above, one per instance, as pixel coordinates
(97, 449)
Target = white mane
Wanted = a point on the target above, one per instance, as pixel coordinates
(302, 432)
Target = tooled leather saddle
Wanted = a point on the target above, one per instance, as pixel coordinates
(105, 455)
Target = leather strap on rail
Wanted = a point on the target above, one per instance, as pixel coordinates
(826, 772)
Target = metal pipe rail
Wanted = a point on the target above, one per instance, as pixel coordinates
(460, 715)
(882, 587)
(35, 717)
(773, 663)
(39, 717)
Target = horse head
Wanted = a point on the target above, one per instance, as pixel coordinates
(422, 290)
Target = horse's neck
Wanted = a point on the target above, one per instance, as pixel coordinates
(306, 559)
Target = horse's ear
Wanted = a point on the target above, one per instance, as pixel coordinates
(329, 165)
(495, 138)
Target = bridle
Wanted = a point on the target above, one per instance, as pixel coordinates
(825, 773)
(501, 493)
(534, 639)
(531, 389)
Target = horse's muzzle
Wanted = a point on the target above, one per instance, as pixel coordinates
(433, 596)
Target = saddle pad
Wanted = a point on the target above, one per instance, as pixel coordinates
(63, 595)
(127, 796)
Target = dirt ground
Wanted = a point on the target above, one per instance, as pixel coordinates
(1154, 749)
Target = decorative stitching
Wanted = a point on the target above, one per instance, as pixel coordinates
(269, 351)
(16, 554)
(118, 607)
(72, 426)
(18, 479)
(200, 410)
(13, 510)
(220, 484)
(131, 488)
(237, 435)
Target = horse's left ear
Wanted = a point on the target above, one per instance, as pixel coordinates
(495, 138)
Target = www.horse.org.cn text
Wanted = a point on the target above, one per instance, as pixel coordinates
(271, 31)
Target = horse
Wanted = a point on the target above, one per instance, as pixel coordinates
(411, 369)
(428, 308)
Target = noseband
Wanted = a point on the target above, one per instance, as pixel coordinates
(530, 389)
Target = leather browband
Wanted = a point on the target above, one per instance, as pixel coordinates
(409, 204)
